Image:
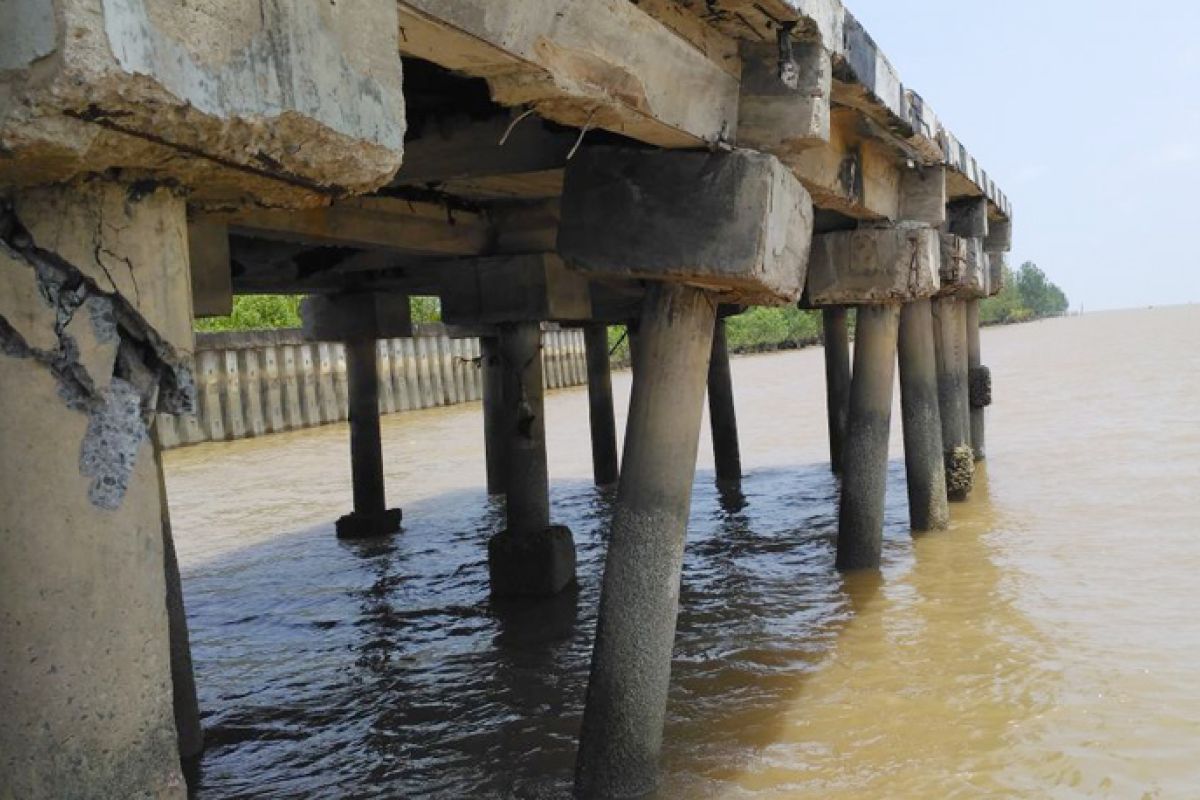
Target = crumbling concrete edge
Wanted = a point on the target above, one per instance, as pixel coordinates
(148, 374)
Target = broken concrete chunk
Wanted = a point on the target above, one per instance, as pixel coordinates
(231, 98)
(737, 223)
(874, 265)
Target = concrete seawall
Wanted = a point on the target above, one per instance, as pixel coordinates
(260, 382)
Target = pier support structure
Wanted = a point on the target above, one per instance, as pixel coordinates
(530, 557)
(600, 405)
(836, 330)
(878, 269)
(493, 413)
(722, 417)
(359, 319)
(923, 458)
(757, 255)
(111, 132)
(965, 278)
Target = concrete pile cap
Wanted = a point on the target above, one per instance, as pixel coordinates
(520, 288)
(885, 264)
(737, 223)
(285, 102)
(361, 315)
(965, 272)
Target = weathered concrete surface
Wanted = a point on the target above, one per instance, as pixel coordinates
(874, 265)
(979, 383)
(631, 664)
(94, 338)
(604, 64)
(968, 218)
(923, 458)
(212, 274)
(864, 464)
(738, 223)
(923, 195)
(784, 111)
(950, 340)
(965, 268)
(284, 102)
(544, 563)
(521, 288)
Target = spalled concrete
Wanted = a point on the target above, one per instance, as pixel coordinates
(95, 337)
(738, 222)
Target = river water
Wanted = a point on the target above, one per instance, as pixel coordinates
(1048, 646)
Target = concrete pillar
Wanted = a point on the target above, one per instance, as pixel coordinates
(864, 457)
(493, 413)
(529, 557)
(979, 394)
(95, 338)
(600, 405)
(837, 379)
(371, 516)
(950, 339)
(927, 507)
(722, 417)
(631, 665)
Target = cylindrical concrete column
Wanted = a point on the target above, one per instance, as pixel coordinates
(726, 453)
(864, 457)
(927, 506)
(600, 405)
(525, 427)
(950, 339)
(529, 557)
(979, 394)
(371, 516)
(837, 379)
(631, 664)
(493, 413)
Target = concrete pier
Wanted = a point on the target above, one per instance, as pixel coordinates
(979, 391)
(950, 337)
(837, 378)
(529, 557)
(722, 417)
(493, 414)
(600, 406)
(631, 664)
(864, 465)
(923, 457)
(371, 516)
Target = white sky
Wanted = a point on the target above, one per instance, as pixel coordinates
(1086, 114)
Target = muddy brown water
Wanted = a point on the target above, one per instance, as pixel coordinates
(1047, 646)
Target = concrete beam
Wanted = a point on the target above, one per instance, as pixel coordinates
(602, 64)
(523, 288)
(382, 223)
(923, 195)
(997, 266)
(736, 223)
(287, 102)
(968, 218)
(874, 265)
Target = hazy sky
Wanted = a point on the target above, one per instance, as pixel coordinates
(1087, 114)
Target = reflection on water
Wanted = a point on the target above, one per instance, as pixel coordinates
(1045, 647)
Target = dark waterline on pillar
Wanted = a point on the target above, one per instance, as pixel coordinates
(371, 516)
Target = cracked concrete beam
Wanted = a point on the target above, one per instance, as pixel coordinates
(285, 102)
